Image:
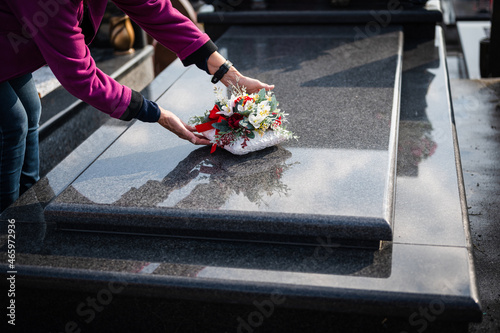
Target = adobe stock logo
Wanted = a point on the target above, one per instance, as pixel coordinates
(420, 319)
(382, 19)
(31, 25)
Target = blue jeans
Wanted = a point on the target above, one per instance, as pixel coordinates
(20, 110)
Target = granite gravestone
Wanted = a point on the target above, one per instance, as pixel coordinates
(425, 276)
(342, 96)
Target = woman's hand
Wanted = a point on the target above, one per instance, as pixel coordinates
(171, 122)
(233, 77)
(252, 85)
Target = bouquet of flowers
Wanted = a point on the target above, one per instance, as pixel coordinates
(244, 122)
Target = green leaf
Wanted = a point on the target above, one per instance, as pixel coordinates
(262, 95)
(251, 135)
(246, 124)
(198, 120)
(274, 103)
(223, 126)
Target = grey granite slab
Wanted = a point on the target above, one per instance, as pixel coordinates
(342, 96)
(423, 278)
(433, 213)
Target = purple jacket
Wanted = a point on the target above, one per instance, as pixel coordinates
(38, 32)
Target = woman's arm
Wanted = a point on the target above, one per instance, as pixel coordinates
(62, 45)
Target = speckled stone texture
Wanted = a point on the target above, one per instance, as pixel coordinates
(423, 280)
(341, 94)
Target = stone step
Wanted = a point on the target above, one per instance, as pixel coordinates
(417, 20)
(342, 95)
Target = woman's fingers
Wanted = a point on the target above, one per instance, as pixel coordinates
(172, 123)
(189, 127)
(253, 85)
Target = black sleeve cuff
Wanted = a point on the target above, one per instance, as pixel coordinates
(142, 109)
(134, 107)
(149, 112)
(200, 56)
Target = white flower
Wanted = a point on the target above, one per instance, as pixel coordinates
(264, 108)
(249, 105)
(227, 111)
(255, 119)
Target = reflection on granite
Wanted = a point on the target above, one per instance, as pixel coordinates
(432, 212)
(415, 129)
(216, 179)
(272, 180)
(417, 146)
(335, 180)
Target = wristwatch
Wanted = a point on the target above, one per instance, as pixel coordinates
(221, 71)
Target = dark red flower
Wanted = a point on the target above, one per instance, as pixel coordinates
(234, 120)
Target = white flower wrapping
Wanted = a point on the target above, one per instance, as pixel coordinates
(243, 123)
(268, 139)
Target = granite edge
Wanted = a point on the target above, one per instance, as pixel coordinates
(460, 179)
(336, 299)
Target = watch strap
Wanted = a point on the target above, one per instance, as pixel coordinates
(223, 69)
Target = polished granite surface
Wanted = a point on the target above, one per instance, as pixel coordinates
(427, 264)
(337, 178)
(322, 12)
(430, 203)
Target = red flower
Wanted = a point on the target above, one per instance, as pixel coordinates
(277, 122)
(234, 120)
